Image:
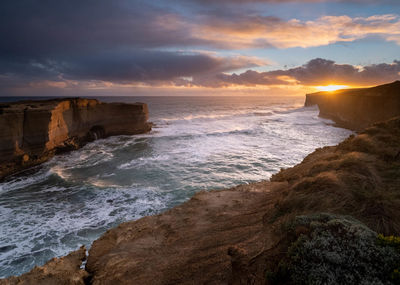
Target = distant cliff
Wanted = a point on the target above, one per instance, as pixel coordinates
(251, 233)
(358, 108)
(33, 131)
(314, 223)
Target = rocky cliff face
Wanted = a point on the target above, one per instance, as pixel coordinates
(240, 235)
(33, 131)
(358, 108)
(235, 236)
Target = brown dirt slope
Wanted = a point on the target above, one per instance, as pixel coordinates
(207, 240)
(234, 236)
(359, 177)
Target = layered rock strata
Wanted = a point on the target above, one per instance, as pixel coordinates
(236, 236)
(357, 109)
(33, 131)
(240, 235)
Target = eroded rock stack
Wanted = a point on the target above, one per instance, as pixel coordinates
(33, 131)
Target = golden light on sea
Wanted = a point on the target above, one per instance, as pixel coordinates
(331, 87)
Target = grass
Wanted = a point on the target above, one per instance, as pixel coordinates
(359, 177)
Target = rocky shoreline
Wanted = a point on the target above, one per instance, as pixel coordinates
(250, 234)
(357, 109)
(34, 131)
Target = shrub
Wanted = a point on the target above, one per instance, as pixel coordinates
(337, 250)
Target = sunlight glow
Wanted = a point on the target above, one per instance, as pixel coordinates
(331, 87)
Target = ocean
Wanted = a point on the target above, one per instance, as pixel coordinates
(197, 143)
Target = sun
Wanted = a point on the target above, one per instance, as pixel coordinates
(331, 87)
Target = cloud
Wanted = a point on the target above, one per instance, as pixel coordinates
(66, 43)
(128, 67)
(316, 72)
(261, 31)
(41, 28)
(185, 73)
(37, 28)
(147, 66)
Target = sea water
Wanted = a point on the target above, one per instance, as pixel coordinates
(197, 143)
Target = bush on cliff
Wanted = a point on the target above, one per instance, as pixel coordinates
(330, 249)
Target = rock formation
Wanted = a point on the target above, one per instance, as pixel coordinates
(60, 271)
(357, 109)
(235, 236)
(33, 131)
(241, 235)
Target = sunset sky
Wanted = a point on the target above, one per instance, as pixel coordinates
(195, 47)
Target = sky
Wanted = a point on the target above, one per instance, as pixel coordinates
(195, 47)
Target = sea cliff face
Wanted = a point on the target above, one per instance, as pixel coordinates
(315, 223)
(33, 131)
(357, 109)
(240, 235)
(237, 236)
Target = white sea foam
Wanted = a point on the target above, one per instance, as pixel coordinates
(75, 197)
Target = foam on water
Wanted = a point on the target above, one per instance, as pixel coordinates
(198, 143)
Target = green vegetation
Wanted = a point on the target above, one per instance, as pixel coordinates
(332, 249)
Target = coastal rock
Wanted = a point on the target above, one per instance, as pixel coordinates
(240, 235)
(235, 236)
(208, 240)
(33, 131)
(359, 177)
(60, 271)
(357, 109)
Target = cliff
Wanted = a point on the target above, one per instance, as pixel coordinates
(246, 234)
(358, 108)
(235, 236)
(33, 131)
(315, 223)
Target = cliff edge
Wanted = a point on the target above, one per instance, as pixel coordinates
(33, 131)
(239, 235)
(327, 220)
(244, 235)
(357, 109)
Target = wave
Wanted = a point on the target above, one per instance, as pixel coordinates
(70, 223)
(229, 115)
(76, 196)
(296, 110)
(23, 181)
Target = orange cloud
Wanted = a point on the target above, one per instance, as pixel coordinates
(317, 72)
(258, 31)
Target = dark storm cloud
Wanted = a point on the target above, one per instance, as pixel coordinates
(98, 40)
(148, 66)
(123, 41)
(124, 67)
(316, 72)
(37, 28)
